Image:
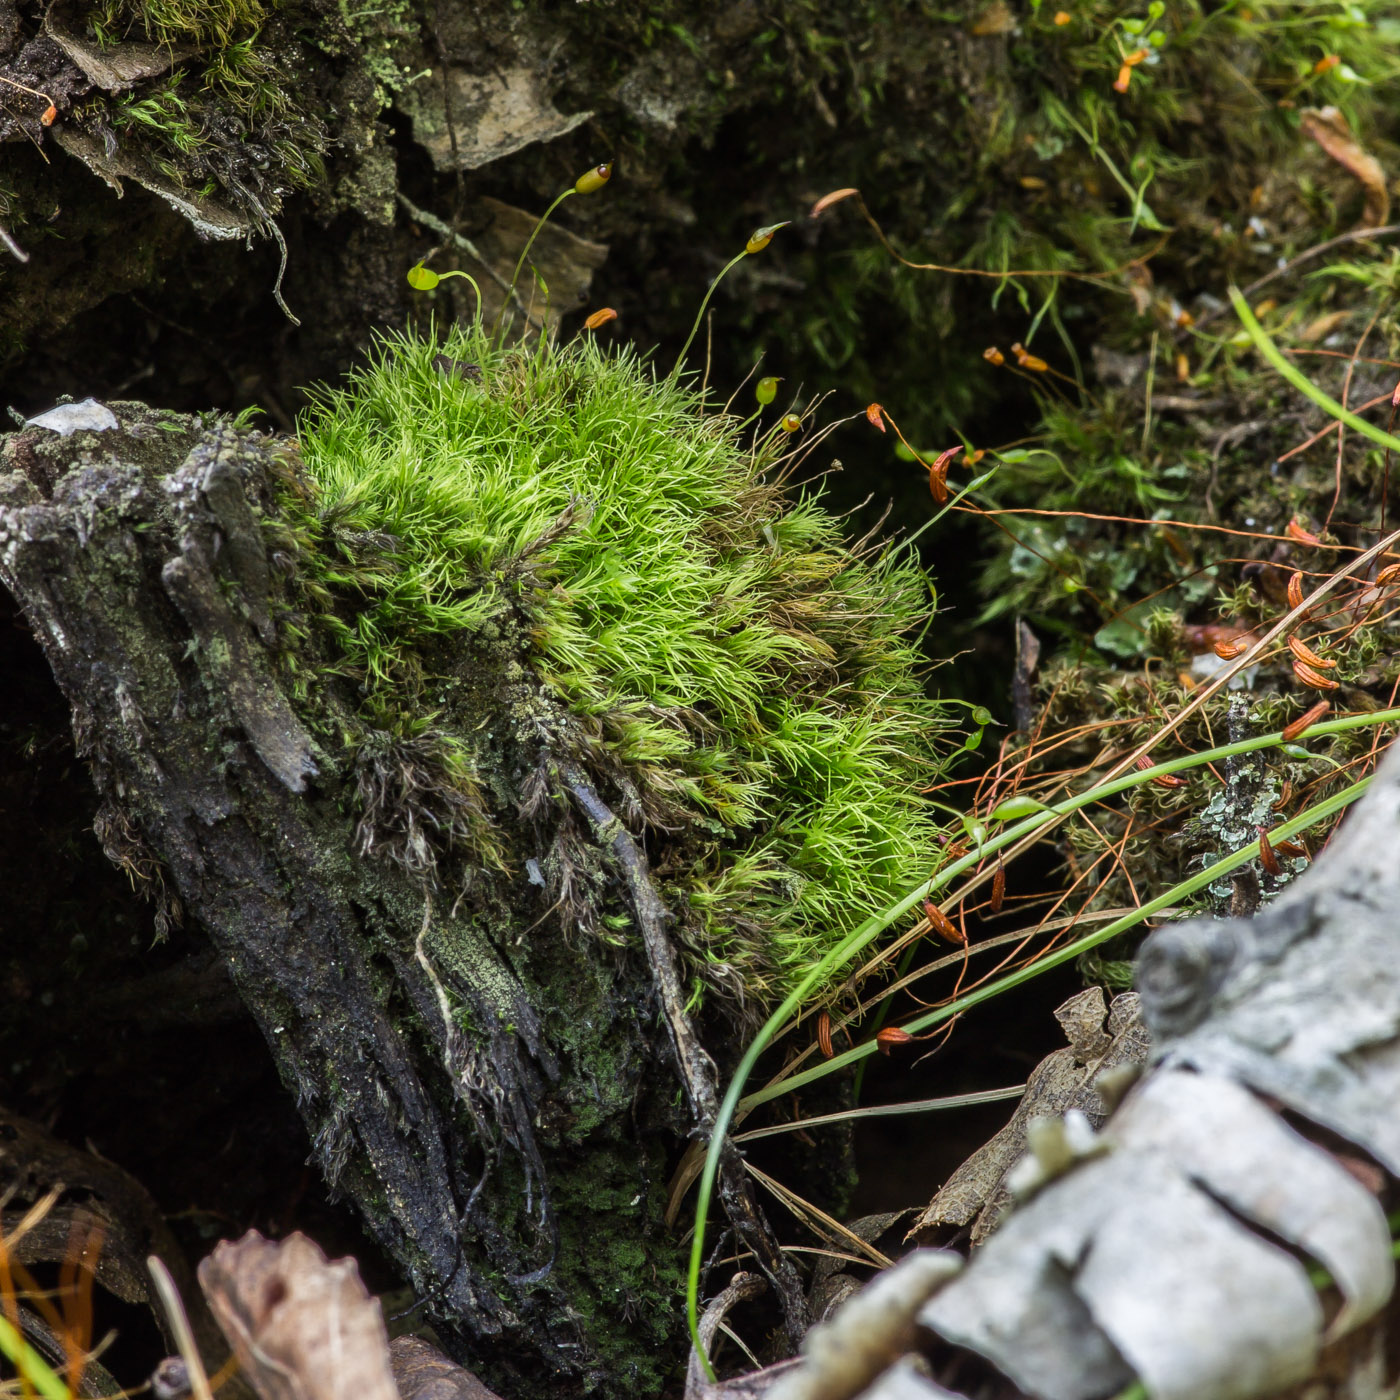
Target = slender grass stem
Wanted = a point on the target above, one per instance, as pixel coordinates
(1300, 381)
(865, 932)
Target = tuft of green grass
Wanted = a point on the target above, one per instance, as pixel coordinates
(714, 641)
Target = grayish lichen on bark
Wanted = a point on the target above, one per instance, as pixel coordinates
(506, 1154)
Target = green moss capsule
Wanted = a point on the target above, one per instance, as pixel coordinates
(760, 238)
(791, 423)
(766, 390)
(594, 179)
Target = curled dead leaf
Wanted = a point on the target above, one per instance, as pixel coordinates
(302, 1327)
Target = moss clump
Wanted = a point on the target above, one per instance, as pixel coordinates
(570, 523)
(176, 21)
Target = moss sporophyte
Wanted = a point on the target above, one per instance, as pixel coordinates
(569, 532)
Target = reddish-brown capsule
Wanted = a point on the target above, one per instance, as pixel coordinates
(49, 115)
(1291, 850)
(1228, 651)
(875, 414)
(1314, 680)
(942, 925)
(824, 1034)
(891, 1036)
(1295, 589)
(1125, 76)
(599, 318)
(998, 888)
(938, 475)
(1388, 575)
(1166, 780)
(1267, 858)
(993, 355)
(1306, 654)
(1295, 531)
(1305, 721)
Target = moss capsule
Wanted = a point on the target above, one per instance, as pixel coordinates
(791, 423)
(760, 238)
(766, 390)
(595, 179)
(891, 1036)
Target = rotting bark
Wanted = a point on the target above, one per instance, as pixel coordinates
(509, 1159)
(696, 1068)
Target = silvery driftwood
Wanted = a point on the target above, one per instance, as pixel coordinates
(1175, 1246)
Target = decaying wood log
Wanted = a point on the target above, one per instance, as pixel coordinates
(510, 1160)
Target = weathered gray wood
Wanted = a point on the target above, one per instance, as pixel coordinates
(511, 1160)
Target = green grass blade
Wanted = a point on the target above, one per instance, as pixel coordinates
(1300, 381)
(872, 927)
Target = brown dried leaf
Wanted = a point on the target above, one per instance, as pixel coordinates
(302, 1328)
(1328, 127)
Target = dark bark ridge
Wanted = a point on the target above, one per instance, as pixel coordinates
(485, 1100)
